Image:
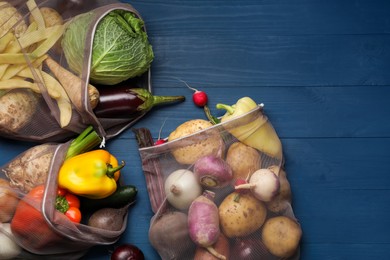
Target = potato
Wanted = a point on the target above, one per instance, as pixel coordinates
(221, 246)
(16, 110)
(50, 16)
(244, 160)
(198, 145)
(281, 235)
(241, 214)
(9, 16)
(8, 201)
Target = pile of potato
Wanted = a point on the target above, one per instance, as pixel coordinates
(250, 226)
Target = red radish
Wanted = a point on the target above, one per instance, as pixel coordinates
(263, 183)
(203, 222)
(199, 97)
(239, 182)
(159, 140)
(213, 172)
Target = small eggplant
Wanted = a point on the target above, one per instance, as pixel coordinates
(125, 102)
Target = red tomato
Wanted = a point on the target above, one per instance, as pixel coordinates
(73, 214)
(61, 192)
(72, 200)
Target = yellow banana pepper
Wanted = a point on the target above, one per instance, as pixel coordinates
(92, 174)
(257, 133)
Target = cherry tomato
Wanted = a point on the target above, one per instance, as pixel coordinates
(73, 214)
(61, 192)
(72, 200)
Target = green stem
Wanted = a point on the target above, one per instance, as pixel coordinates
(85, 142)
(62, 205)
(229, 109)
(150, 100)
(111, 170)
(214, 120)
(158, 100)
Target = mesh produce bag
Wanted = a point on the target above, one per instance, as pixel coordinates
(198, 187)
(48, 75)
(28, 193)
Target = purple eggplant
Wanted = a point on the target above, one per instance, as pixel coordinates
(125, 102)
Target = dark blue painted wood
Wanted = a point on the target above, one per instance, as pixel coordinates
(322, 70)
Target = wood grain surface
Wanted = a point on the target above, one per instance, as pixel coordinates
(322, 69)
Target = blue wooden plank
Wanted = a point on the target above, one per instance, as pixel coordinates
(282, 17)
(322, 112)
(296, 60)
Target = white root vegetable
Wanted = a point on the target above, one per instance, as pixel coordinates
(29, 169)
(263, 183)
(17, 108)
(181, 188)
(73, 85)
(9, 249)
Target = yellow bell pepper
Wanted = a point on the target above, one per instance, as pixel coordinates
(257, 133)
(92, 174)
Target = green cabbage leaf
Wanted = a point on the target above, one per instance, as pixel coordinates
(120, 49)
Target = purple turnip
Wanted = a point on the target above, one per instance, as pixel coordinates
(213, 172)
(203, 222)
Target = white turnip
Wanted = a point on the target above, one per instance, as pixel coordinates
(263, 183)
(203, 223)
(213, 172)
(181, 188)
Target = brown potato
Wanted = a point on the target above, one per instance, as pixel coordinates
(221, 246)
(244, 160)
(241, 214)
(8, 201)
(50, 16)
(281, 235)
(195, 146)
(10, 17)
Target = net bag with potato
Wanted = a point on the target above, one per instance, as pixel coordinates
(60, 71)
(43, 217)
(220, 188)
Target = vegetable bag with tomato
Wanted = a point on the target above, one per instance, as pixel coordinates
(47, 220)
(30, 227)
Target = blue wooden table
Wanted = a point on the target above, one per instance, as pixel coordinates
(322, 69)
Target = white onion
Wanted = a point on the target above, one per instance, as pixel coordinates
(9, 249)
(181, 188)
